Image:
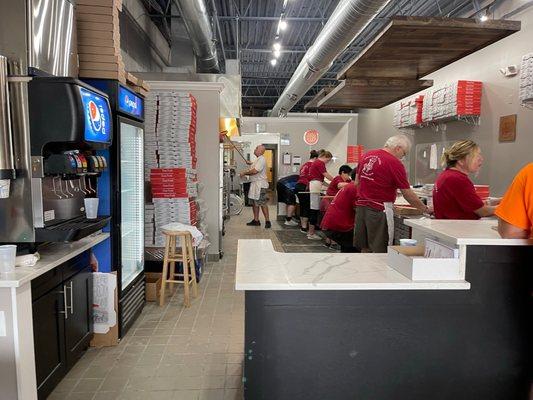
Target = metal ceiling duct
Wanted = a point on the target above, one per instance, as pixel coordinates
(198, 25)
(348, 20)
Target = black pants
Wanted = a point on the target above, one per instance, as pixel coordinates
(303, 199)
(344, 239)
(371, 229)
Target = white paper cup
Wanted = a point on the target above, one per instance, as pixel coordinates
(408, 242)
(8, 253)
(91, 208)
(4, 188)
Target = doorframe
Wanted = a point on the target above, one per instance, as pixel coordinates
(274, 148)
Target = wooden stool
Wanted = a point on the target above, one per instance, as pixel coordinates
(186, 257)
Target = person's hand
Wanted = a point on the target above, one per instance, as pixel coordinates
(242, 174)
(249, 163)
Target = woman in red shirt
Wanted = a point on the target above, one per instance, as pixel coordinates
(338, 223)
(317, 173)
(302, 186)
(454, 195)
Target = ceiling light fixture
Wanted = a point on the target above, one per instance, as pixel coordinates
(277, 53)
(484, 18)
(277, 46)
(282, 24)
(273, 62)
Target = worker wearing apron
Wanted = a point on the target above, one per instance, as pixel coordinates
(380, 174)
(317, 173)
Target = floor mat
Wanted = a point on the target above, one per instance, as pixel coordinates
(294, 241)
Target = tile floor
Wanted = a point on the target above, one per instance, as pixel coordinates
(177, 353)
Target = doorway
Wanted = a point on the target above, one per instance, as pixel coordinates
(271, 157)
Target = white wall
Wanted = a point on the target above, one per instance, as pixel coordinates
(500, 97)
(335, 133)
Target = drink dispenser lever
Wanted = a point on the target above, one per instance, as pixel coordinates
(7, 163)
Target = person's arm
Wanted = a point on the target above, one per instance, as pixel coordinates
(251, 171)
(509, 231)
(485, 211)
(340, 185)
(413, 200)
(328, 176)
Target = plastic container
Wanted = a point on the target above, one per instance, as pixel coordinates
(8, 253)
(4, 188)
(91, 208)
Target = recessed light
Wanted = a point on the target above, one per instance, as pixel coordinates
(283, 25)
(273, 62)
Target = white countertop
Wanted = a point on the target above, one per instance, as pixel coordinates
(52, 255)
(260, 267)
(463, 232)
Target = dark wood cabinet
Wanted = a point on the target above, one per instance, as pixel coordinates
(49, 339)
(79, 323)
(62, 320)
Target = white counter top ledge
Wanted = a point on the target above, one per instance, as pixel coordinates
(260, 267)
(52, 255)
(463, 232)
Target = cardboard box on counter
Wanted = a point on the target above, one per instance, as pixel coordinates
(96, 58)
(90, 34)
(97, 26)
(92, 8)
(100, 66)
(102, 18)
(119, 76)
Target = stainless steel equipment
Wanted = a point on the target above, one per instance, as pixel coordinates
(39, 35)
(7, 163)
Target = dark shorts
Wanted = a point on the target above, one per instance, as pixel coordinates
(263, 198)
(344, 239)
(371, 231)
(285, 195)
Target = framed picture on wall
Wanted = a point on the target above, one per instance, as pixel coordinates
(507, 128)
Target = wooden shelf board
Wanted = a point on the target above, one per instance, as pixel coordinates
(352, 94)
(413, 47)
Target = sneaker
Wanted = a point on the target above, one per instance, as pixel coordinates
(303, 230)
(268, 225)
(291, 223)
(314, 236)
(253, 222)
(328, 245)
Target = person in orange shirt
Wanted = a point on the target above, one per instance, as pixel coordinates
(515, 212)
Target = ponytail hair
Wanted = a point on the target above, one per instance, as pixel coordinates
(325, 154)
(458, 151)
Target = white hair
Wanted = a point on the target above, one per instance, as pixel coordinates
(398, 140)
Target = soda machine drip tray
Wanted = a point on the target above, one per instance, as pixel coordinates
(71, 230)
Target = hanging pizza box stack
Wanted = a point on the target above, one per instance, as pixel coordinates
(98, 32)
(526, 80)
(466, 97)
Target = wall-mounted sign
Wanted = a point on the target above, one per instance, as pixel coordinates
(311, 137)
(287, 158)
(296, 160)
(508, 128)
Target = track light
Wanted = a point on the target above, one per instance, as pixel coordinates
(273, 62)
(277, 53)
(282, 24)
(277, 46)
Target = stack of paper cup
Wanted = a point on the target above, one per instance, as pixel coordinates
(8, 253)
(4, 188)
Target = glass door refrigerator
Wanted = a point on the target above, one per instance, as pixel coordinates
(124, 188)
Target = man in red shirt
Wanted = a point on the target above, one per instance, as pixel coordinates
(380, 174)
(338, 222)
(341, 180)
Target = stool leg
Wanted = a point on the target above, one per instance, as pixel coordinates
(173, 264)
(165, 272)
(193, 268)
(186, 298)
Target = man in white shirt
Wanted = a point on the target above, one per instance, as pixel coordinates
(258, 187)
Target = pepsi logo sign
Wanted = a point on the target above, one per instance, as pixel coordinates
(96, 116)
(130, 102)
